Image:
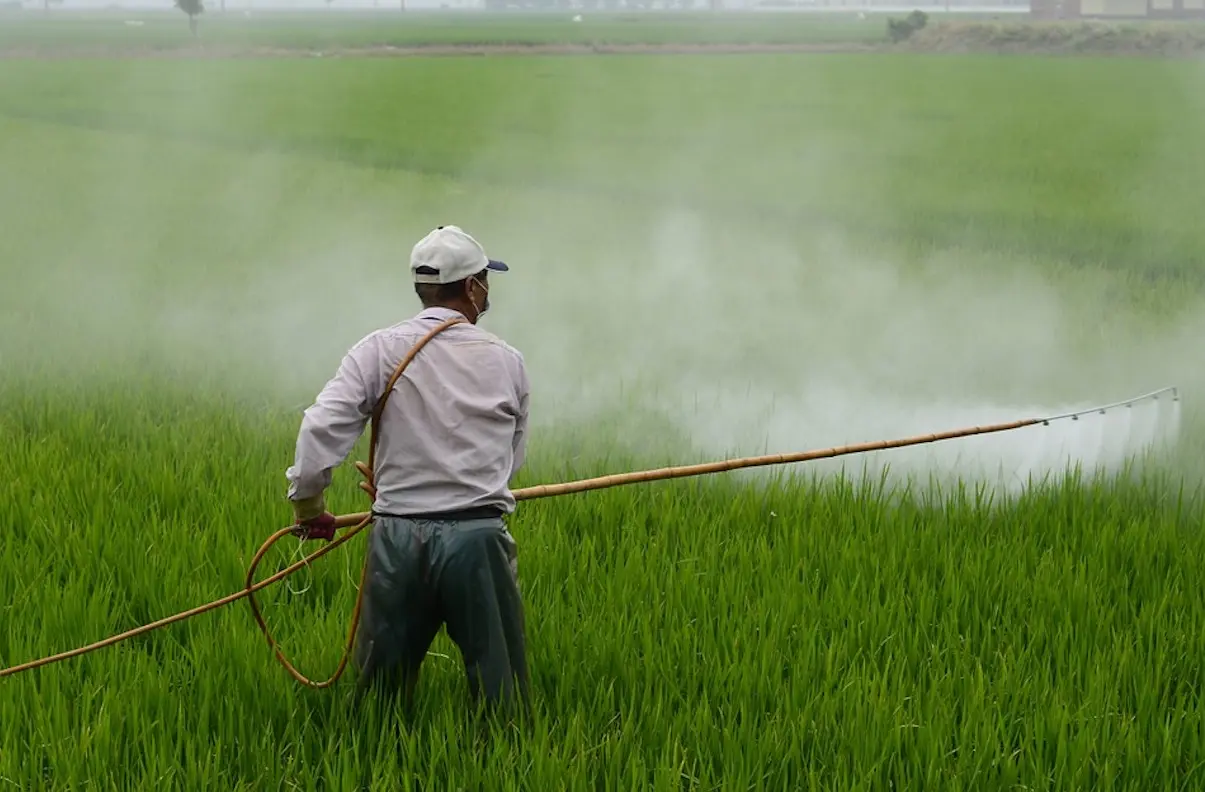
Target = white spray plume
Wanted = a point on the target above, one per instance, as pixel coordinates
(741, 335)
(782, 352)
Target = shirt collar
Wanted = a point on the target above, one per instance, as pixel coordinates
(439, 313)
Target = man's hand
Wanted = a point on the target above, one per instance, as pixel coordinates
(320, 527)
(313, 520)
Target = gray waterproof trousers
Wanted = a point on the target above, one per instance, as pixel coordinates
(425, 571)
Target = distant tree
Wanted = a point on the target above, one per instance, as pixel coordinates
(46, 4)
(901, 29)
(194, 8)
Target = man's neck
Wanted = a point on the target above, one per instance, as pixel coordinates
(463, 310)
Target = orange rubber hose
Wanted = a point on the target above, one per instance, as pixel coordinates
(365, 520)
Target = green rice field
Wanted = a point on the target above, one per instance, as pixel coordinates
(712, 256)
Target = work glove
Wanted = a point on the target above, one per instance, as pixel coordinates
(313, 520)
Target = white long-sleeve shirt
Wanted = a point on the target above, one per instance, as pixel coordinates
(454, 429)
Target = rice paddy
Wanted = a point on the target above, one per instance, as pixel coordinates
(711, 256)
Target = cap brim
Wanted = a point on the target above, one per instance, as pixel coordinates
(497, 266)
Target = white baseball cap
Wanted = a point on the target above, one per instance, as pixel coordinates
(447, 255)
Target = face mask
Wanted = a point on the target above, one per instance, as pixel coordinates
(481, 311)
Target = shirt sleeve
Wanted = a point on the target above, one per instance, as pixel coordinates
(519, 442)
(330, 428)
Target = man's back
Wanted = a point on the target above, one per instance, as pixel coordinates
(454, 429)
(453, 432)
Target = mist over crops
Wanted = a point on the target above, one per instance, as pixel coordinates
(711, 256)
(734, 273)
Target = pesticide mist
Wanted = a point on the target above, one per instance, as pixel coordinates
(748, 347)
(763, 298)
(707, 283)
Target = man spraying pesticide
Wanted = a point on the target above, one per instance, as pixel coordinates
(451, 434)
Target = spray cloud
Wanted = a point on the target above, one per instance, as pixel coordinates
(666, 268)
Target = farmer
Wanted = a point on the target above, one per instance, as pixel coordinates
(452, 436)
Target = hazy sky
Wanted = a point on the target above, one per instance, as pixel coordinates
(166, 5)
